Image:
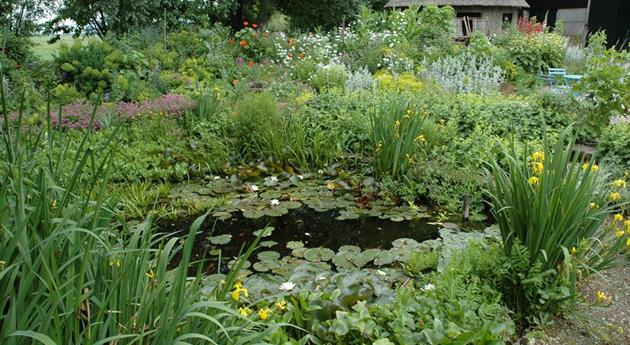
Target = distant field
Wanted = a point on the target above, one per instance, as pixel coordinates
(46, 51)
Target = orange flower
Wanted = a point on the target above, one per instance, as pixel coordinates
(301, 56)
(251, 63)
(235, 82)
(243, 43)
(245, 23)
(254, 25)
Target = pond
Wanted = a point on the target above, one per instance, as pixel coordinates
(305, 226)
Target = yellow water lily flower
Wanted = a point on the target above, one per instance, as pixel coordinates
(534, 181)
(264, 313)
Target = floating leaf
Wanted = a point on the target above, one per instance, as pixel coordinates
(222, 215)
(318, 254)
(295, 244)
(386, 257)
(349, 249)
(265, 232)
(220, 239)
(253, 213)
(299, 252)
(264, 266)
(342, 260)
(276, 211)
(405, 243)
(268, 244)
(346, 215)
(268, 256)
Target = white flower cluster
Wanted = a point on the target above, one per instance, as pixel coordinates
(466, 73)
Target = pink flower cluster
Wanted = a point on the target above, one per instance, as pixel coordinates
(172, 104)
(78, 114)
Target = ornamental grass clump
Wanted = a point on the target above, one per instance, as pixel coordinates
(552, 208)
(553, 200)
(396, 125)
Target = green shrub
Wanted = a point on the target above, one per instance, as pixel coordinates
(255, 121)
(328, 77)
(533, 53)
(614, 143)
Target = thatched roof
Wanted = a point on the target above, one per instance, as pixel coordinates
(484, 3)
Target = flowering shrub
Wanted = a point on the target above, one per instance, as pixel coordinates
(466, 73)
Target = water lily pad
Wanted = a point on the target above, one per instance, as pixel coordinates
(268, 244)
(346, 215)
(291, 205)
(405, 243)
(253, 213)
(349, 249)
(386, 257)
(214, 252)
(295, 244)
(342, 260)
(264, 266)
(220, 239)
(275, 211)
(222, 215)
(318, 254)
(246, 264)
(299, 252)
(268, 256)
(266, 232)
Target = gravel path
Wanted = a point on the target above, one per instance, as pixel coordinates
(590, 324)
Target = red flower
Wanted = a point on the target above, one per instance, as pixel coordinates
(301, 56)
(245, 23)
(254, 25)
(290, 56)
(242, 43)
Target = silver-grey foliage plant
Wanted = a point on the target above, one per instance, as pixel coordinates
(359, 80)
(466, 73)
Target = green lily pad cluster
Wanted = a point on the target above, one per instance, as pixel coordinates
(275, 196)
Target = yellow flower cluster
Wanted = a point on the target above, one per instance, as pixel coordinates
(593, 168)
(601, 297)
(538, 156)
(238, 289)
(614, 196)
(534, 181)
(537, 168)
(421, 139)
(397, 129)
(619, 183)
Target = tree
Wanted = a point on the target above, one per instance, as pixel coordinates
(326, 14)
(20, 16)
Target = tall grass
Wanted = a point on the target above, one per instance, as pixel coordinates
(554, 201)
(395, 132)
(67, 277)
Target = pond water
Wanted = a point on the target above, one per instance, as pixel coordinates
(314, 229)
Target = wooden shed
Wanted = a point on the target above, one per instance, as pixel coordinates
(486, 16)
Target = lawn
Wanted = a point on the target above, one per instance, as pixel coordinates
(46, 51)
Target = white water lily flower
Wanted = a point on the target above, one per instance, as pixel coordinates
(274, 202)
(286, 286)
(254, 188)
(428, 287)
